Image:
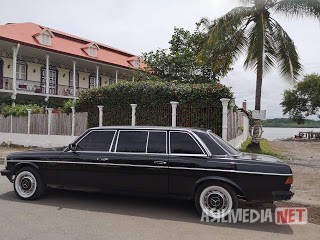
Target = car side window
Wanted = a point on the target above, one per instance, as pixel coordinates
(157, 142)
(183, 143)
(132, 141)
(96, 141)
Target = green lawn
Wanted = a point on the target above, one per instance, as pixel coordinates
(265, 148)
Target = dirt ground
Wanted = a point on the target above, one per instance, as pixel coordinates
(304, 159)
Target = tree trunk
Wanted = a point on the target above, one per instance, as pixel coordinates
(255, 141)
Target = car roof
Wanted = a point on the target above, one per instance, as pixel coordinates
(150, 128)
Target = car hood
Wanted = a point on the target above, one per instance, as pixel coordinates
(37, 153)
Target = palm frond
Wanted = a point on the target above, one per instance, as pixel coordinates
(287, 56)
(226, 38)
(299, 8)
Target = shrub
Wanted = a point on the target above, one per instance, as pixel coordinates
(21, 110)
(148, 95)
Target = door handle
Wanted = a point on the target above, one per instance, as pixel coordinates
(160, 162)
(103, 159)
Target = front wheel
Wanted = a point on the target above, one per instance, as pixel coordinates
(28, 184)
(215, 200)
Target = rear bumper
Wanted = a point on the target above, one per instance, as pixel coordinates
(7, 173)
(282, 195)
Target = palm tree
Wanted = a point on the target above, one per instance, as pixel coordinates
(251, 29)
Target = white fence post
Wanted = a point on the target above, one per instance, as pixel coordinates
(133, 115)
(11, 123)
(72, 120)
(29, 119)
(233, 120)
(100, 115)
(224, 102)
(49, 119)
(174, 113)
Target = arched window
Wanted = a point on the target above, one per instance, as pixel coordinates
(21, 72)
(71, 79)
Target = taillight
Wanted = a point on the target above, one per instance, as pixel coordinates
(289, 180)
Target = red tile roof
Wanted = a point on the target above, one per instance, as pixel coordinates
(24, 33)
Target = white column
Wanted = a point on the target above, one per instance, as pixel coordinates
(73, 111)
(74, 79)
(97, 77)
(117, 76)
(224, 102)
(174, 113)
(133, 115)
(29, 119)
(231, 105)
(47, 73)
(132, 78)
(14, 70)
(49, 119)
(100, 115)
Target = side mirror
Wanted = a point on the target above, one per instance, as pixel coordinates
(72, 147)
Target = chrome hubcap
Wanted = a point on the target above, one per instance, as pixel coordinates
(25, 184)
(216, 202)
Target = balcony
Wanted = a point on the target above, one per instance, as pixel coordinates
(37, 88)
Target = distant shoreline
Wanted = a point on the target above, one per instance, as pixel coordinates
(301, 126)
(288, 123)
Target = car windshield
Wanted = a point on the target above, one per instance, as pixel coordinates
(224, 144)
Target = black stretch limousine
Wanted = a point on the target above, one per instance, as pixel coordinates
(159, 161)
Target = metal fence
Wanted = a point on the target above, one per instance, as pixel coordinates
(208, 117)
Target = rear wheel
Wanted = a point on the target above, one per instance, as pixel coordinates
(215, 199)
(28, 184)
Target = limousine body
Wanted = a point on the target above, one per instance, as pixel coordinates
(159, 161)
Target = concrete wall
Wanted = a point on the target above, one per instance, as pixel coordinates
(236, 142)
(36, 140)
(7, 72)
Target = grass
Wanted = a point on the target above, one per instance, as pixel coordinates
(265, 148)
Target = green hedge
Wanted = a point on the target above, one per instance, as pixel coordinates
(151, 96)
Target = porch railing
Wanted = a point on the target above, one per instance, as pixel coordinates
(35, 87)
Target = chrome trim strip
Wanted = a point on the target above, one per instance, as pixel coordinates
(233, 171)
(147, 142)
(151, 166)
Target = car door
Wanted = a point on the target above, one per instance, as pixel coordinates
(87, 166)
(140, 162)
(185, 156)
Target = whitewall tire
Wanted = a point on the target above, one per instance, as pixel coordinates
(215, 199)
(28, 184)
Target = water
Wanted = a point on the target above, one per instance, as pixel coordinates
(281, 133)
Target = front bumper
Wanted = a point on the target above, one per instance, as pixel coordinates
(282, 195)
(7, 173)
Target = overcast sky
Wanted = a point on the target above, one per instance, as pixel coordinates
(145, 25)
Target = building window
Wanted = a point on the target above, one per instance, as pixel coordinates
(45, 39)
(93, 51)
(112, 80)
(71, 79)
(92, 80)
(21, 72)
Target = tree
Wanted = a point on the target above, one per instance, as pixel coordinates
(303, 100)
(179, 62)
(251, 29)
